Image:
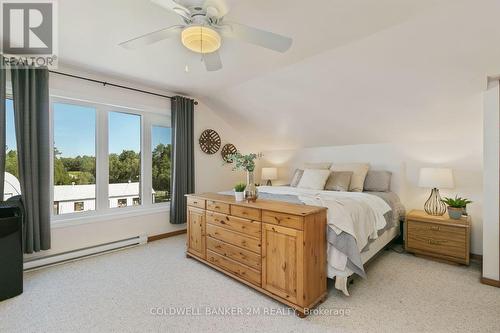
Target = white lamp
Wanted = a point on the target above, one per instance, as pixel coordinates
(435, 178)
(269, 174)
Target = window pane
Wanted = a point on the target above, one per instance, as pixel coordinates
(11, 183)
(161, 148)
(124, 159)
(74, 158)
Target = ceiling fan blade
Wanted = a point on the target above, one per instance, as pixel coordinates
(152, 37)
(259, 37)
(175, 7)
(212, 61)
(220, 6)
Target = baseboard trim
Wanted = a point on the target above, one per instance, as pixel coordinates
(490, 282)
(477, 257)
(166, 235)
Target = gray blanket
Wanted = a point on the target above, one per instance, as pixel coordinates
(345, 242)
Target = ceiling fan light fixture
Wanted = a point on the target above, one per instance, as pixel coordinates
(201, 39)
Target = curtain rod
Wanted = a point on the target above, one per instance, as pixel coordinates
(104, 83)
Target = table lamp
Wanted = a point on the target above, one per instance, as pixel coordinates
(269, 174)
(435, 178)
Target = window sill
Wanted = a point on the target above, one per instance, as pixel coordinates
(88, 217)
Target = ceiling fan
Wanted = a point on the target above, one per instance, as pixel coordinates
(203, 29)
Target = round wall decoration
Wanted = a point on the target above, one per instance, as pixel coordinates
(228, 149)
(209, 141)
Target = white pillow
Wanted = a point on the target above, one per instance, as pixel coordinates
(359, 171)
(314, 179)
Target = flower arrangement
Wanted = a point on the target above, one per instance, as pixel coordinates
(243, 162)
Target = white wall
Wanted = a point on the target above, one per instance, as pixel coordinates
(211, 175)
(491, 247)
(404, 161)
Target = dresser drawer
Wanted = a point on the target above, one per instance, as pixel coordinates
(246, 212)
(282, 219)
(439, 239)
(217, 206)
(245, 242)
(247, 227)
(195, 202)
(233, 267)
(240, 255)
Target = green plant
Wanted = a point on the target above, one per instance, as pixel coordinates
(456, 202)
(240, 187)
(243, 162)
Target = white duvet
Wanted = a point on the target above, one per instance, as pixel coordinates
(358, 214)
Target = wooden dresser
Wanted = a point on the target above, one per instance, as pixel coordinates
(438, 236)
(275, 247)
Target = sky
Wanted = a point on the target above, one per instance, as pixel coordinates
(74, 130)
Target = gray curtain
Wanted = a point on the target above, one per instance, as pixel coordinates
(2, 130)
(182, 157)
(30, 89)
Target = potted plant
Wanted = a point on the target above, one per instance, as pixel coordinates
(456, 206)
(246, 163)
(239, 191)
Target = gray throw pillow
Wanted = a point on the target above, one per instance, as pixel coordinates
(339, 181)
(296, 177)
(378, 181)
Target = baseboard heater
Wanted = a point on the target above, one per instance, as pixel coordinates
(84, 253)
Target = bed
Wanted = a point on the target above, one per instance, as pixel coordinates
(360, 224)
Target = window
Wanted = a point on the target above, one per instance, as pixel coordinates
(79, 206)
(161, 166)
(11, 184)
(101, 154)
(74, 157)
(55, 208)
(124, 134)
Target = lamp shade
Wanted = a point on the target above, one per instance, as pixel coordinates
(269, 173)
(436, 178)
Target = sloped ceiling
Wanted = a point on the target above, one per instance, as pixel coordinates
(359, 71)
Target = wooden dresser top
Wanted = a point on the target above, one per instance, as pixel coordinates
(421, 216)
(272, 205)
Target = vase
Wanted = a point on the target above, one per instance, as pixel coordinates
(455, 213)
(239, 196)
(250, 190)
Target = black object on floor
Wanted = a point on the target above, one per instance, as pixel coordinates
(11, 250)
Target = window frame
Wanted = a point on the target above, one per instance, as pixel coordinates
(103, 212)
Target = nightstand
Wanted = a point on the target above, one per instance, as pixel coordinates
(438, 236)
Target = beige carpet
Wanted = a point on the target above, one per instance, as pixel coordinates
(117, 292)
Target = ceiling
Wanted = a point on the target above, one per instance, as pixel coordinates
(359, 71)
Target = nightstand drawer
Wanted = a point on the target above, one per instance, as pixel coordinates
(440, 239)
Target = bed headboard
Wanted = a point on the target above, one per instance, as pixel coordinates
(379, 156)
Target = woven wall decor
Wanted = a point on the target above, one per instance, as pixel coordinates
(209, 141)
(228, 149)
